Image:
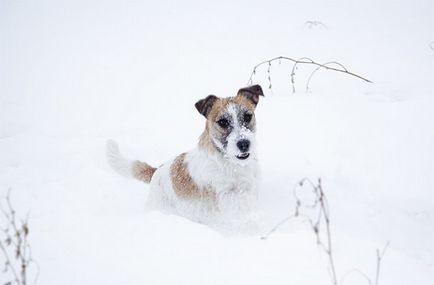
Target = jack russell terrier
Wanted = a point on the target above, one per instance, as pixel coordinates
(219, 175)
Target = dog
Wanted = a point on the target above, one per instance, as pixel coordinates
(219, 175)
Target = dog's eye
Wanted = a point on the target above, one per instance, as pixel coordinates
(224, 123)
(247, 117)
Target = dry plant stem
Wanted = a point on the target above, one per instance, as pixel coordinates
(324, 209)
(269, 75)
(377, 273)
(294, 67)
(277, 226)
(16, 239)
(9, 215)
(321, 205)
(379, 258)
(352, 271)
(311, 24)
(8, 263)
(303, 60)
(318, 68)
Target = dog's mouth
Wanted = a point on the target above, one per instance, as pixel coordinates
(243, 156)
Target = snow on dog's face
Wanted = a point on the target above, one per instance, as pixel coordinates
(230, 128)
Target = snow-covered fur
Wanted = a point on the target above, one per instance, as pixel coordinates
(234, 186)
(219, 176)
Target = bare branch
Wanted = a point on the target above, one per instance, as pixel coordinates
(304, 60)
(269, 75)
(322, 215)
(380, 256)
(14, 244)
(320, 221)
(294, 67)
(311, 24)
(322, 66)
(277, 226)
(353, 271)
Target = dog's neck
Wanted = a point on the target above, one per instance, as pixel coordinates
(213, 169)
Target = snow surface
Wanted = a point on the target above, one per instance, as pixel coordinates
(76, 73)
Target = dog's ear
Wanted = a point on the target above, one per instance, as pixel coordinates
(204, 106)
(252, 93)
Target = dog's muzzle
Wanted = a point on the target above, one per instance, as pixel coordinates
(243, 145)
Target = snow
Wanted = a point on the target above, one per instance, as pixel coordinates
(74, 74)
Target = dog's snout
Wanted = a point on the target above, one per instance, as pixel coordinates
(243, 145)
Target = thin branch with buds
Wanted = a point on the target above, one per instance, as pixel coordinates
(320, 217)
(14, 245)
(332, 66)
(320, 205)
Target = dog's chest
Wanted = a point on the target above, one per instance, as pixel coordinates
(211, 172)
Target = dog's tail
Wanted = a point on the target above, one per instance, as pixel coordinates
(132, 169)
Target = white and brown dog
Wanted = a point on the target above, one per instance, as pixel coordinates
(219, 175)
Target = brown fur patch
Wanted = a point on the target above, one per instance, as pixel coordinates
(183, 184)
(252, 93)
(205, 105)
(205, 141)
(143, 171)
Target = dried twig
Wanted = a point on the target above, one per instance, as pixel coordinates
(304, 60)
(320, 205)
(354, 271)
(319, 67)
(379, 259)
(14, 245)
(321, 217)
(269, 75)
(314, 23)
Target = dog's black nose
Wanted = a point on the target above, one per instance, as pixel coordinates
(243, 145)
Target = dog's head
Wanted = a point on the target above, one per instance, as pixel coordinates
(231, 125)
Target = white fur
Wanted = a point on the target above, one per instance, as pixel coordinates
(233, 183)
(208, 169)
(122, 165)
(161, 193)
(233, 180)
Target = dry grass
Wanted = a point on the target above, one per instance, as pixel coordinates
(331, 66)
(14, 245)
(317, 213)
